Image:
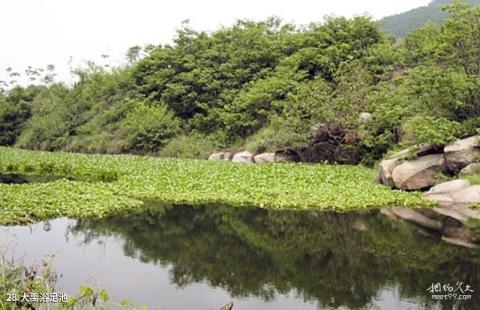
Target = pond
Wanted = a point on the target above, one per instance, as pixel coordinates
(201, 257)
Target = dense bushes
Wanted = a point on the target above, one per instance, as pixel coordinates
(263, 85)
(193, 145)
(148, 128)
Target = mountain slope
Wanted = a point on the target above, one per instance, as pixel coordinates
(400, 24)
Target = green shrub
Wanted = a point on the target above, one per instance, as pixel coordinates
(15, 110)
(195, 146)
(427, 129)
(149, 128)
(277, 135)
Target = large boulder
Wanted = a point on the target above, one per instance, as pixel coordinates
(461, 153)
(443, 192)
(456, 192)
(386, 170)
(470, 195)
(243, 157)
(420, 173)
(449, 187)
(264, 158)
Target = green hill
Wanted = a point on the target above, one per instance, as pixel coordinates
(400, 24)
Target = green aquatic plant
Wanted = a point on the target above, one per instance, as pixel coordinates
(135, 179)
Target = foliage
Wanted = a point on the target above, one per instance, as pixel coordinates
(264, 84)
(277, 135)
(426, 129)
(15, 110)
(148, 128)
(193, 146)
(137, 179)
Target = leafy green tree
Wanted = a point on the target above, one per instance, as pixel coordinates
(148, 128)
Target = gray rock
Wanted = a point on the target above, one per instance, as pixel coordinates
(243, 157)
(470, 169)
(264, 158)
(386, 170)
(449, 187)
(420, 173)
(461, 153)
(470, 195)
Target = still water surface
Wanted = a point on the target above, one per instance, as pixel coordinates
(184, 257)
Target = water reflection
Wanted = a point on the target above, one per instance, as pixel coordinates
(331, 259)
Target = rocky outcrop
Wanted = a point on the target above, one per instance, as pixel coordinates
(469, 195)
(455, 192)
(264, 158)
(448, 187)
(444, 191)
(461, 153)
(386, 170)
(418, 174)
(243, 157)
(398, 171)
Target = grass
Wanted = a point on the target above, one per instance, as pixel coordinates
(474, 179)
(105, 184)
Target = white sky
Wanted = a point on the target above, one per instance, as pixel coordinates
(41, 32)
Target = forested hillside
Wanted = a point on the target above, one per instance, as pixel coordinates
(400, 24)
(262, 86)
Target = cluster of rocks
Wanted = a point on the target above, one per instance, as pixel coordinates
(430, 165)
(280, 156)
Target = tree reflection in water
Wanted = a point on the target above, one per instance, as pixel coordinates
(330, 258)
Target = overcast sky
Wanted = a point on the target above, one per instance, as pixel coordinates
(41, 32)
